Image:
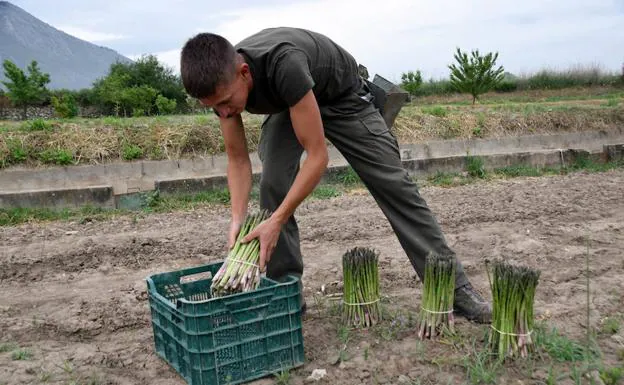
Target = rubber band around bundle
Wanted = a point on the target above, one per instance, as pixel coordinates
(243, 262)
(359, 304)
(512, 334)
(437, 312)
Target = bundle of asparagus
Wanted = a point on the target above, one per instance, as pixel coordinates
(361, 287)
(436, 313)
(240, 271)
(513, 293)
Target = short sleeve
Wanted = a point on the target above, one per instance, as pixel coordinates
(291, 76)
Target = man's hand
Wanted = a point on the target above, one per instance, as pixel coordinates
(268, 233)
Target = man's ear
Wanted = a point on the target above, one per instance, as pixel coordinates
(243, 70)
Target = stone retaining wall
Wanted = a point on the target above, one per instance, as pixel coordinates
(44, 112)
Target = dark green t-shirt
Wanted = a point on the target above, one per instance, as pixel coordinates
(286, 63)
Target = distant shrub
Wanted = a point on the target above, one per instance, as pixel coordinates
(165, 105)
(578, 76)
(506, 86)
(65, 106)
(410, 81)
(38, 124)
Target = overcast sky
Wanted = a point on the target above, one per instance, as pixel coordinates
(388, 36)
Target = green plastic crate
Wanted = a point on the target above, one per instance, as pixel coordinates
(226, 340)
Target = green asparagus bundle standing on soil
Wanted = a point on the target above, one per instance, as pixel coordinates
(361, 287)
(240, 271)
(436, 312)
(513, 293)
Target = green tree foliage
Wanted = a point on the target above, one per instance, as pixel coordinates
(132, 88)
(147, 70)
(476, 74)
(65, 105)
(108, 91)
(139, 99)
(23, 89)
(410, 81)
(165, 105)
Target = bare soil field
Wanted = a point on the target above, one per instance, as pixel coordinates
(74, 307)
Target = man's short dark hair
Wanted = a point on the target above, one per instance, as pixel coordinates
(207, 61)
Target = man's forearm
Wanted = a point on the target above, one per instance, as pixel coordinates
(239, 182)
(308, 177)
(308, 127)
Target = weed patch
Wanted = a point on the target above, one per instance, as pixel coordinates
(475, 167)
(438, 111)
(7, 347)
(561, 348)
(21, 355)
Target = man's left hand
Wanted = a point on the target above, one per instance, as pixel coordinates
(268, 233)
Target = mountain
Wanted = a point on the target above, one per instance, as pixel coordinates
(71, 62)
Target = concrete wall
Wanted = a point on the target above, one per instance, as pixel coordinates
(124, 184)
(97, 196)
(130, 177)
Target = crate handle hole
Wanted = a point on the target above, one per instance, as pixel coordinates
(196, 277)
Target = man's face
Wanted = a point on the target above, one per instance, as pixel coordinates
(230, 99)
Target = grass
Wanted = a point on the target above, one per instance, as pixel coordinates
(15, 216)
(475, 167)
(132, 151)
(44, 376)
(8, 347)
(475, 170)
(561, 348)
(438, 111)
(21, 355)
(445, 179)
(325, 192)
(480, 366)
(283, 377)
(612, 375)
(156, 203)
(41, 142)
(611, 325)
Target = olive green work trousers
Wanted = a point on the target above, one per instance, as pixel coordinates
(357, 129)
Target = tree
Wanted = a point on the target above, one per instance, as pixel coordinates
(25, 90)
(164, 105)
(475, 75)
(139, 99)
(411, 80)
(109, 91)
(148, 72)
(65, 105)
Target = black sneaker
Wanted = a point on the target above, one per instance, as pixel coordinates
(469, 304)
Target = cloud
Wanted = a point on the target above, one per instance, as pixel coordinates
(393, 36)
(168, 58)
(389, 37)
(90, 36)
